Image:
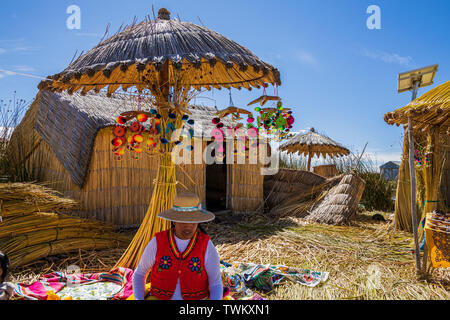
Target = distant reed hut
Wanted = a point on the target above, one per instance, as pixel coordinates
(66, 140)
(389, 170)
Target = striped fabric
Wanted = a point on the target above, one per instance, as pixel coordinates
(57, 281)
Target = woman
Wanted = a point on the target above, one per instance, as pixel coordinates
(6, 289)
(183, 261)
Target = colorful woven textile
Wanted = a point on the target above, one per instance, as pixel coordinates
(114, 285)
(242, 277)
(437, 235)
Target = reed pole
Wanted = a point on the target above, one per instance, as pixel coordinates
(309, 158)
(164, 190)
(413, 183)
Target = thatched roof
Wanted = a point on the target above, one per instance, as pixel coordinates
(430, 110)
(200, 56)
(314, 144)
(69, 125)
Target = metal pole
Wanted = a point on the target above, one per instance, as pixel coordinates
(413, 182)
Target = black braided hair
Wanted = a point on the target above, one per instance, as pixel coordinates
(4, 265)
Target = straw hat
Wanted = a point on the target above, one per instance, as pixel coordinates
(187, 209)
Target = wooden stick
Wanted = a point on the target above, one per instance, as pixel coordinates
(413, 194)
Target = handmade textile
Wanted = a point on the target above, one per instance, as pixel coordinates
(147, 262)
(114, 285)
(242, 277)
(437, 235)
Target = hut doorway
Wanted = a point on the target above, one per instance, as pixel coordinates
(217, 176)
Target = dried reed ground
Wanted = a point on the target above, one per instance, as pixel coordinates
(351, 254)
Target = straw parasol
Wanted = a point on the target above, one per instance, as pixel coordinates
(314, 144)
(182, 53)
(170, 59)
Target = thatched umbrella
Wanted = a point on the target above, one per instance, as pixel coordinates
(314, 144)
(163, 53)
(170, 59)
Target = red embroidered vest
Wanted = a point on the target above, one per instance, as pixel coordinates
(189, 267)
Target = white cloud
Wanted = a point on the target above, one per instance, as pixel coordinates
(6, 73)
(307, 58)
(13, 69)
(23, 68)
(387, 57)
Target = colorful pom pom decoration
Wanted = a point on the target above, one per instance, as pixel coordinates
(218, 135)
(138, 138)
(119, 131)
(121, 120)
(142, 117)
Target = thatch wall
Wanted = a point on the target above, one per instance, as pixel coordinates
(115, 191)
(445, 183)
(403, 220)
(247, 188)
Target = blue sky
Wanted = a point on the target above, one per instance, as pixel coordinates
(338, 76)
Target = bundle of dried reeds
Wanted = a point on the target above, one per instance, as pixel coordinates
(340, 204)
(30, 231)
(289, 183)
(299, 202)
(22, 198)
(163, 195)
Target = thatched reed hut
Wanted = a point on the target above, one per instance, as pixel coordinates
(65, 140)
(430, 116)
